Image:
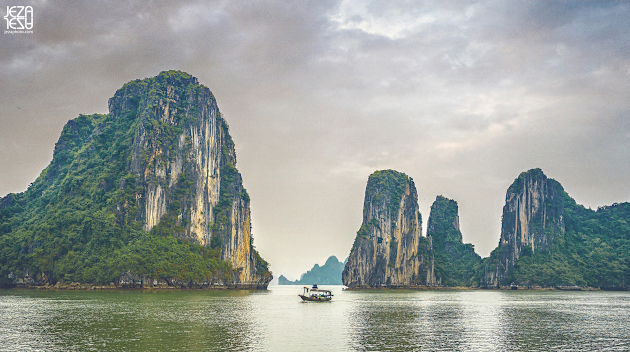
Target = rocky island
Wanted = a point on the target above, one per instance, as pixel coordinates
(547, 241)
(389, 249)
(532, 219)
(146, 196)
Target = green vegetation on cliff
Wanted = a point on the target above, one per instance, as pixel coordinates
(387, 187)
(593, 251)
(80, 219)
(547, 239)
(455, 262)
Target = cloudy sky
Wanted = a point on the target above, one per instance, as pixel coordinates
(461, 96)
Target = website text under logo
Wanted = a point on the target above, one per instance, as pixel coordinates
(19, 19)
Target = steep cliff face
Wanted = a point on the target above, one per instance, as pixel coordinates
(178, 142)
(183, 158)
(532, 219)
(389, 248)
(455, 262)
(162, 161)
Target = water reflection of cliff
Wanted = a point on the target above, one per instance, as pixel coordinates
(198, 321)
(132, 321)
(486, 321)
(277, 320)
(412, 320)
(576, 321)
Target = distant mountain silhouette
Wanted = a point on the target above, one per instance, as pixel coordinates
(328, 274)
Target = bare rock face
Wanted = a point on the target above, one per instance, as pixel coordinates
(178, 142)
(183, 168)
(532, 217)
(389, 249)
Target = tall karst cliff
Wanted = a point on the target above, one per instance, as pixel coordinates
(161, 161)
(532, 218)
(455, 262)
(389, 249)
(548, 240)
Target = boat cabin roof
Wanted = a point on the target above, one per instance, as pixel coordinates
(316, 290)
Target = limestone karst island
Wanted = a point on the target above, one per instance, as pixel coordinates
(547, 240)
(149, 196)
(145, 196)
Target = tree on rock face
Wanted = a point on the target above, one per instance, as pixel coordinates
(389, 248)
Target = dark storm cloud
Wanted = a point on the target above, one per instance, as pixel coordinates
(461, 96)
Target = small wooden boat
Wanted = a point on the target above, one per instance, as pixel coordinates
(316, 295)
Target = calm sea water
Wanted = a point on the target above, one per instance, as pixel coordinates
(277, 320)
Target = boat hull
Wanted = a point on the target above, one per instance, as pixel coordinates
(315, 299)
